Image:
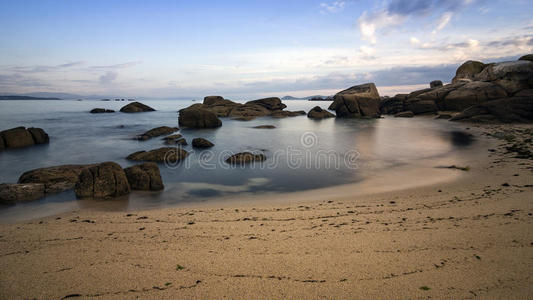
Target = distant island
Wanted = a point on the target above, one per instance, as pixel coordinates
(14, 97)
(310, 98)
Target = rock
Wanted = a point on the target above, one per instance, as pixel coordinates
(17, 138)
(145, 177)
(173, 137)
(513, 76)
(405, 114)
(2, 143)
(272, 103)
(135, 107)
(393, 105)
(438, 94)
(198, 117)
(178, 141)
(55, 179)
(264, 127)
(39, 136)
(525, 93)
(249, 110)
(245, 157)
(101, 110)
(104, 180)
(244, 118)
(318, 113)
(420, 106)
(165, 154)
(208, 100)
(468, 70)
(358, 101)
(528, 57)
(435, 84)
(159, 131)
(201, 143)
(283, 114)
(12, 193)
(472, 93)
(506, 110)
(444, 116)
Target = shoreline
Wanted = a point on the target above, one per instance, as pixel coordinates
(472, 239)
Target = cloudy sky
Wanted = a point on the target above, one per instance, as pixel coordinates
(246, 49)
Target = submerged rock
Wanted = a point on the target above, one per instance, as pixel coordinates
(198, 117)
(101, 110)
(55, 179)
(20, 137)
(318, 113)
(201, 143)
(245, 157)
(159, 131)
(144, 177)
(104, 180)
(12, 193)
(264, 127)
(135, 107)
(165, 154)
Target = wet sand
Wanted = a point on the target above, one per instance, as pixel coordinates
(470, 236)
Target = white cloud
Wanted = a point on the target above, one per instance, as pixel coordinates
(332, 7)
(443, 21)
(367, 51)
(108, 77)
(370, 24)
(414, 41)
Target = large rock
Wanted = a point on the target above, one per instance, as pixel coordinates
(358, 101)
(438, 94)
(155, 132)
(472, 93)
(318, 113)
(12, 193)
(420, 106)
(245, 157)
(249, 110)
(145, 177)
(102, 181)
(507, 110)
(513, 76)
(528, 57)
(272, 103)
(135, 107)
(468, 70)
(165, 154)
(201, 143)
(393, 105)
(435, 84)
(55, 179)
(208, 100)
(17, 138)
(198, 117)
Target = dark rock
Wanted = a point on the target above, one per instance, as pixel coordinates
(144, 177)
(243, 118)
(245, 157)
(358, 101)
(201, 143)
(55, 179)
(272, 103)
(17, 137)
(284, 113)
(404, 114)
(468, 70)
(2, 143)
(209, 100)
(417, 93)
(472, 93)
(525, 93)
(101, 110)
(102, 181)
(393, 105)
(178, 141)
(528, 57)
(435, 84)
(419, 106)
(318, 113)
(198, 117)
(249, 110)
(444, 116)
(11, 193)
(507, 110)
(438, 94)
(135, 107)
(165, 154)
(513, 76)
(39, 136)
(159, 131)
(264, 127)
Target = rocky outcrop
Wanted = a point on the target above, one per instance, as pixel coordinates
(201, 143)
(435, 84)
(513, 76)
(196, 116)
(506, 110)
(101, 110)
(468, 70)
(136, 107)
(472, 93)
(358, 101)
(165, 154)
(144, 177)
(159, 131)
(528, 57)
(405, 114)
(272, 103)
(318, 113)
(245, 158)
(56, 179)
(104, 180)
(393, 105)
(209, 100)
(20, 137)
(12, 193)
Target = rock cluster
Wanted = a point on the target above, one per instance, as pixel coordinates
(135, 107)
(56, 179)
(20, 137)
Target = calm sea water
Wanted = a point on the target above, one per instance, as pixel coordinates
(302, 153)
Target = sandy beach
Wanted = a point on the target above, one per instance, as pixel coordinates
(468, 237)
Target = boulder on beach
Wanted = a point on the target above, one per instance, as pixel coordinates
(506, 110)
(104, 180)
(101, 110)
(472, 93)
(20, 137)
(164, 154)
(245, 157)
(136, 107)
(198, 117)
(435, 84)
(405, 114)
(155, 132)
(513, 76)
(144, 177)
(358, 101)
(201, 143)
(12, 193)
(318, 113)
(468, 70)
(56, 179)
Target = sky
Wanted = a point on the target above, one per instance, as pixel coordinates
(250, 49)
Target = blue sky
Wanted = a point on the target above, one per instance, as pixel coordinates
(247, 49)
